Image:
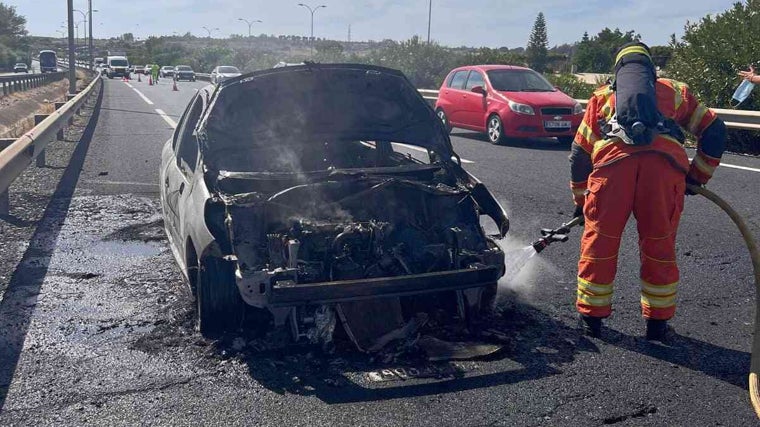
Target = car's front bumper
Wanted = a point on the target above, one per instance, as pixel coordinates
(283, 291)
(527, 126)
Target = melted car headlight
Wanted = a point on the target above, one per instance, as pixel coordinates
(521, 108)
(578, 108)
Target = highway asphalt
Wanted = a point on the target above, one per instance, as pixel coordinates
(109, 337)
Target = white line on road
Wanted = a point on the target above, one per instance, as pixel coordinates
(744, 168)
(129, 85)
(145, 184)
(166, 118)
(145, 98)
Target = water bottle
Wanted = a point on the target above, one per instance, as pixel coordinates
(742, 92)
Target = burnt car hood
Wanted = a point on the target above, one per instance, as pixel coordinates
(315, 103)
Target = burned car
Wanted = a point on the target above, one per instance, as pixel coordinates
(287, 192)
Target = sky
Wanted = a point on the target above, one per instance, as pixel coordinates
(491, 23)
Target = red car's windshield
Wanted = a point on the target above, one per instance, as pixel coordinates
(519, 81)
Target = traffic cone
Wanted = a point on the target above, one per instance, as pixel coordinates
(138, 78)
(150, 80)
(174, 88)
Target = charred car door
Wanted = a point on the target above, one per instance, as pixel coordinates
(179, 171)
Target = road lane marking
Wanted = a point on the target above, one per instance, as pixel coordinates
(422, 150)
(145, 98)
(144, 184)
(744, 168)
(166, 118)
(129, 85)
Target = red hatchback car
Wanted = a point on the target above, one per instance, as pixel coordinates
(506, 101)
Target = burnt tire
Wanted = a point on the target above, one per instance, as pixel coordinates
(495, 130)
(444, 119)
(220, 307)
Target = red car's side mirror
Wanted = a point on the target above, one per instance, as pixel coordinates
(479, 89)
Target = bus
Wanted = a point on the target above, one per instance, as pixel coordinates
(48, 61)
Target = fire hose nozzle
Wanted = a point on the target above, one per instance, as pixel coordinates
(560, 234)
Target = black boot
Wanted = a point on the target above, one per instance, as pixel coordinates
(659, 330)
(591, 326)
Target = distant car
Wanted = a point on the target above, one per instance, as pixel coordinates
(139, 69)
(223, 72)
(166, 71)
(506, 101)
(285, 193)
(20, 68)
(184, 72)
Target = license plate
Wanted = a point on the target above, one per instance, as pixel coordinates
(557, 124)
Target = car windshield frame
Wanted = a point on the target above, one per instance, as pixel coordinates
(228, 69)
(518, 81)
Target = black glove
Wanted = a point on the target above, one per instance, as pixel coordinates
(691, 181)
(579, 213)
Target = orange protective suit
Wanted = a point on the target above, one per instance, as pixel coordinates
(648, 181)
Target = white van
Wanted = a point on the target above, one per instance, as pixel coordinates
(117, 66)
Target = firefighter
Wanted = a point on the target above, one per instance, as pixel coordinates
(640, 169)
(154, 73)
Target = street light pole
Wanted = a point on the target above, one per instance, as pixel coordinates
(72, 61)
(89, 50)
(312, 10)
(209, 30)
(84, 27)
(250, 23)
(430, 16)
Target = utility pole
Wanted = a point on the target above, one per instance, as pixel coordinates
(430, 16)
(89, 6)
(72, 61)
(349, 33)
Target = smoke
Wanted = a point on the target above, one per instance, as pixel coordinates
(525, 269)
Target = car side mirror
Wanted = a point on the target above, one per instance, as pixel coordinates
(479, 89)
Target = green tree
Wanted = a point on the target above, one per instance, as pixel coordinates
(597, 54)
(537, 50)
(709, 55)
(13, 44)
(329, 51)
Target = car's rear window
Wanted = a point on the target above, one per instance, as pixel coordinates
(184, 68)
(228, 70)
(458, 79)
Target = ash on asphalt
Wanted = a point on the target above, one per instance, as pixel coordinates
(112, 311)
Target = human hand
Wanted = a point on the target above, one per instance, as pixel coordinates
(691, 181)
(748, 75)
(579, 213)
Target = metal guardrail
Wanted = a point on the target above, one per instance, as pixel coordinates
(734, 119)
(22, 82)
(15, 158)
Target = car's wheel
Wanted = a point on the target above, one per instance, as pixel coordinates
(565, 140)
(445, 120)
(495, 130)
(220, 307)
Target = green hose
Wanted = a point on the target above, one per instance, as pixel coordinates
(754, 369)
